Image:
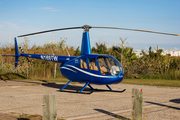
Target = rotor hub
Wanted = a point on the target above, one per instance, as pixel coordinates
(86, 28)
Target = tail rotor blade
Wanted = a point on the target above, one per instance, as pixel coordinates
(28, 60)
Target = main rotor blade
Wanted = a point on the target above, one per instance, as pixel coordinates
(136, 30)
(87, 27)
(49, 31)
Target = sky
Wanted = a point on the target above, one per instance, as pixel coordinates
(18, 17)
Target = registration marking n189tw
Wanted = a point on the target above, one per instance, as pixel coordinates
(49, 57)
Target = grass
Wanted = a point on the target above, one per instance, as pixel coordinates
(153, 82)
(150, 82)
(50, 80)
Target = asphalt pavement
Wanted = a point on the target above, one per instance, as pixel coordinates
(26, 97)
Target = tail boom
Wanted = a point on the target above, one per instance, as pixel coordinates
(53, 58)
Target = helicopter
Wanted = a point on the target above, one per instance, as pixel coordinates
(100, 69)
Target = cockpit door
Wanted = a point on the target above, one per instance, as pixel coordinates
(108, 66)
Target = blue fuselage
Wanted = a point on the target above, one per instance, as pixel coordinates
(73, 71)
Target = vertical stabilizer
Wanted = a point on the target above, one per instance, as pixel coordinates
(85, 46)
(16, 53)
(16, 47)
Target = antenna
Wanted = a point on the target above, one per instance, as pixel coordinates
(157, 47)
(67, 52)
(9, 43)
(9, 40)
(53, 37)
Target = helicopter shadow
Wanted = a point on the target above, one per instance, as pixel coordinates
(76, 89)
(112, 114)
(163, 105)
(69, 88)
(22, 81)
(175, 100)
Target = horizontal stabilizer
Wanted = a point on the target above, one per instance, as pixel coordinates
(16, 53)
(11, 55)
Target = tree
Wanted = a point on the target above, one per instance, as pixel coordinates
(122, 45)
(100, 48)
(77, 52)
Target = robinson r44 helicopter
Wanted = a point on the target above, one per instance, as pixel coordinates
(88, 68)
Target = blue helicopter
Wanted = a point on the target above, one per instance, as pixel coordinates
(87, 68)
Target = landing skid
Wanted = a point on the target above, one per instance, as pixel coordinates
(92, 89)
(88, 93)
(109, 90)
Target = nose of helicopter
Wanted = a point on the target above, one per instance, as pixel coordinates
(116, 79)
(119, 78)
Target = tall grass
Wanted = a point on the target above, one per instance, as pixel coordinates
(147, 67)
(171, 75)
(39, 69)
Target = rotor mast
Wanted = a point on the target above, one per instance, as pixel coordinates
(85, 46)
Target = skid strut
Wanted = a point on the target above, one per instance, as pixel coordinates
(91, 87)
(81, 89)
(109, 88)
(84, 86)
(66, 85)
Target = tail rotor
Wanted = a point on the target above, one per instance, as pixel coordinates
(16, 53)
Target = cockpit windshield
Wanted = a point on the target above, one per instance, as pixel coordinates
(108, 66)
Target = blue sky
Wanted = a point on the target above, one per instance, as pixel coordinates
(19, 17)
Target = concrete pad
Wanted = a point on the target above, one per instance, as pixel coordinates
(23, 97)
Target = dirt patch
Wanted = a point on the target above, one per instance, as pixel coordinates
(15, 116)
(4, 116)
(7, 117)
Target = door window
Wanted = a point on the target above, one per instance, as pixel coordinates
(108, 66)
(83, 63)
(92, 64)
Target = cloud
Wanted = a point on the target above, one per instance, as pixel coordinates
(11, 25)
(175, 48)
(50, 9)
